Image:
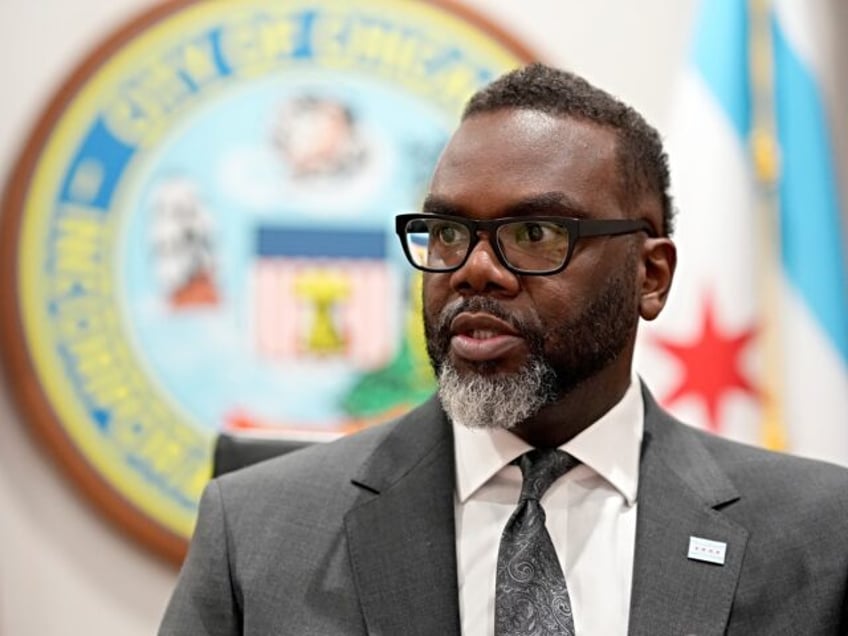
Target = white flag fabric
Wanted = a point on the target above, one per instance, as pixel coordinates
(754, 342)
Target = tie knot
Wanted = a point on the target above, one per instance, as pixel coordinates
(540, 468)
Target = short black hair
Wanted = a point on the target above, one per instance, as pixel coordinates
(643, 163)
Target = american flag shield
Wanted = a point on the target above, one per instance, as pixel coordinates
(323, 295)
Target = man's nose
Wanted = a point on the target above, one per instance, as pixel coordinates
(483, 273)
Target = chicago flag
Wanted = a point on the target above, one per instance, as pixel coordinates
(754, 342)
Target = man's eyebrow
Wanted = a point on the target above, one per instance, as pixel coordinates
(434, 204)
(554, 203)
(548, 203)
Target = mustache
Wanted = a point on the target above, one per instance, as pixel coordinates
(438, 331)
(482, 304)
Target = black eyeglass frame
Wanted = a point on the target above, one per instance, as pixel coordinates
(576, 228)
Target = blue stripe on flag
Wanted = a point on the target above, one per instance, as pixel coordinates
(809, 205)
(721, 57)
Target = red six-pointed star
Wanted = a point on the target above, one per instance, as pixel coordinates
(711, 365)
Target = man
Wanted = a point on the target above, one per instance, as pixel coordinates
(545, 236)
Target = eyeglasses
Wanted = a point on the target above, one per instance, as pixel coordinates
(536, 245)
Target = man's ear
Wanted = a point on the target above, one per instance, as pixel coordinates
(659, 258)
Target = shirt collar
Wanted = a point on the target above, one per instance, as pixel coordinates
(610, 447)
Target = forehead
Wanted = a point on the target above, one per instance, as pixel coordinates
(495, 160)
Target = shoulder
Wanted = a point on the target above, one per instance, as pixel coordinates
(794, 479)
(322, 467)
(765, 487)
(271, 511)
(326, 474)
(702, 457)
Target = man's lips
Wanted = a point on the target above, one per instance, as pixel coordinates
(479, 337)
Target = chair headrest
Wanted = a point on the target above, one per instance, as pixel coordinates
(237, 450)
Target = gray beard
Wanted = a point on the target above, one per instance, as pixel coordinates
(492, 401)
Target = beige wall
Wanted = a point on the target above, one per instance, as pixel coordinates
(64, 570)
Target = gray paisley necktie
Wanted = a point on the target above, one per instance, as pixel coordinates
(530, 593)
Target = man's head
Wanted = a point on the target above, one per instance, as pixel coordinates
(643, 164)
(504, 343)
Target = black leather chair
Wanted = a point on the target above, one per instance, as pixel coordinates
(237, 450)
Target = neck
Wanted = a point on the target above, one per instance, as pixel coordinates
(576, 410)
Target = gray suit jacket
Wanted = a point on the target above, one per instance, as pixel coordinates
(357, 537)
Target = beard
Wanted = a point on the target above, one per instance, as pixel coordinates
(479, 400)
(560, 358)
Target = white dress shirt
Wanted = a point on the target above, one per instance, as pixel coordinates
(591, 517)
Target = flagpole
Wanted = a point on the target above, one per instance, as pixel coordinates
(766, 164)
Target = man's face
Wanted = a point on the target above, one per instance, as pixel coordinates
(503, 345)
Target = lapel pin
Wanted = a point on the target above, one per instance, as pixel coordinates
(706, 550)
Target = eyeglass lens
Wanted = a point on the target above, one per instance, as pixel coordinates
(527, 245)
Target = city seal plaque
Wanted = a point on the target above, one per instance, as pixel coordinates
(198, 236)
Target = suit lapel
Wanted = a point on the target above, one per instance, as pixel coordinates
(401, 538)
(402, 542)
(680, 490)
